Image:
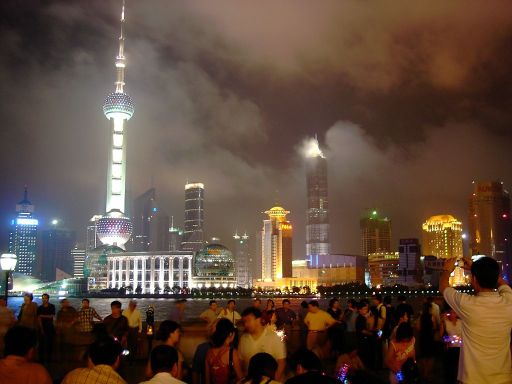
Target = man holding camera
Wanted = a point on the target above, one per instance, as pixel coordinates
(486, 322)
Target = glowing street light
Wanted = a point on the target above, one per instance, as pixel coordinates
(55, 222)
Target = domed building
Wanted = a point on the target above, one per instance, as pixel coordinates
(214, 265)
(96, 266)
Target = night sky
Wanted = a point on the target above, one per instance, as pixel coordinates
(411, 101)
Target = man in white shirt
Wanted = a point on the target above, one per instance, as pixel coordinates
(134, 327)
(318, 322)
(258, 338)
(230, 313)
(486, 323)
(164, 366)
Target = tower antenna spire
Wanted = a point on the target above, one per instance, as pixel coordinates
(120, 59)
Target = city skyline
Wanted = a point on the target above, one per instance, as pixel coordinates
(242, 146)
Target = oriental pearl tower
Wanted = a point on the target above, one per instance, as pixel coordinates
(114, 228)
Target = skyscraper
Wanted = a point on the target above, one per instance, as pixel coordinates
(317, 217)
(276, 245)
(442, 237)
(175, 237)
(150, 224)
(193, 234)
(23, 237)
(242, 260)
(114, 228)
(375, 234)
(55, 246)
(92, 240)
(409, 251)
(489, 222)
(78, 256)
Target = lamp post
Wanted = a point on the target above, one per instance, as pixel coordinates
(8, 263)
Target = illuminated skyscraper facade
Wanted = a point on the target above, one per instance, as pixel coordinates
(23, 237)
(317, 214)
(78, 256)
(375, 234)
(489, 222)
(193, 234)
(276, 245)
(442, 237)
(114, 228)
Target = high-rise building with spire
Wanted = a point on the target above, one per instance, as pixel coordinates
(317, 214)
(114, 228)
(193, 234)
(23, 237)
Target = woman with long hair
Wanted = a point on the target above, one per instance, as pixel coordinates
(262, 369)
(222, 364)
(334, 309)
(427, 345)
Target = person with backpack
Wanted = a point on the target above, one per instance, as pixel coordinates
(222, 363)
(380, 316)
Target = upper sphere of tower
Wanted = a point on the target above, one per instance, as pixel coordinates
(118, 105)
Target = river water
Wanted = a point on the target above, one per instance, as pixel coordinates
(193, 307)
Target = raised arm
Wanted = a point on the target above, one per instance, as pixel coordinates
(448, 267)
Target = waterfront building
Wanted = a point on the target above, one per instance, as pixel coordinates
(242, 260)
(114, 228)
(23, 237)
(409, 264)
(214, 266)
(375, 234)
(489, 222)
(150, 224)
(442, 237)
(276, 245)
(150, 272)
(317, 213)
(193, 233)
(96, 266)
(78, 256)
(383, 268)
(55, 247)
(328, 270)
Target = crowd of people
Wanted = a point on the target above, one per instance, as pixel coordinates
(354, 342)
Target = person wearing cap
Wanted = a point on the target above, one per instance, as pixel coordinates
(134, 327)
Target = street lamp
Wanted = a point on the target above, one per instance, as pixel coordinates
(8, 263)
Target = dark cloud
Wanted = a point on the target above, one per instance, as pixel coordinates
(411, 101)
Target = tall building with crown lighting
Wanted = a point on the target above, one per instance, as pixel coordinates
(276, 245)
(317, 214)
(442, 237)
(23, 237)
(114, 228)
(489, 222)
(193, 233)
